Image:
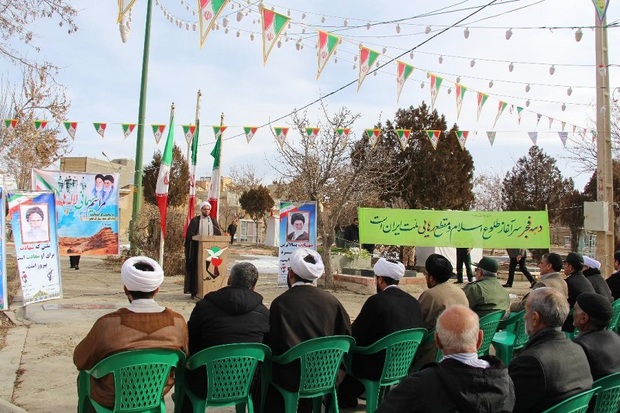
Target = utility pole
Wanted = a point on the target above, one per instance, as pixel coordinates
(604, 171)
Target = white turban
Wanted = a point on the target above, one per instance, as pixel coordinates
(204, 203)
(591, 262)
(307, 270)
(390, 269)
(139, 280)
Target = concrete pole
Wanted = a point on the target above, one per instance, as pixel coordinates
(604, 171)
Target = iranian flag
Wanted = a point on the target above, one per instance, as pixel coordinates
(435, 85)
(273, 24)
(163, 178)
(367, 59)
(373, 136)
(71, 128)
(10, 123)
(249, 132)
(192, 179)
(343, 134)
(433, 136)
(403, 137)
(208, 11)
(482, 98)
(280, 134)
(460, 94)
(462, 135)
(100, 128)
(327, 47)
(158, 132)
(500, 110)
(40, 125)
(312, 134)
(214, 187)
(128, 129)
(403, 71)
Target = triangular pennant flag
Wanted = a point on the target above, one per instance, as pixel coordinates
(538, 116)
(563, 137)
(482, 98)
(460, 94)
(491, 136)
(550, 122)
(249, 132)
(208, 12)
(100, 128)
(403, 137)
(312, 133)
(327, 47)
(563, 126)
(158, 132)
(40, 125)
(123, 8)
(218, 130)
(593, 134)
(462, 135)
(71, 128)
(403, 71)
(500, 110)
(128, 129)
(281, 135)
(273, 24)
(10, 123)
(519, 110)
(343, 133)
(574, 128)
(533, 136)
(435, 85)
(373, 136)
(367, 59)
(433, 136)
(188, 132)
(601, 8)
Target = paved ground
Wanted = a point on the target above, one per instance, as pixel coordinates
(36, 365)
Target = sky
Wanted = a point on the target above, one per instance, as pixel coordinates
(102, 74)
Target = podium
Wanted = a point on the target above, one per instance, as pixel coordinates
(212, 271)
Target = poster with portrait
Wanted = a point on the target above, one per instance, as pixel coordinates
(33, 219)
(297, 229)
(87, 210)
(4, 299)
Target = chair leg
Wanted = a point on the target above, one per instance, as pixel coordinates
(372, 396)
(240, 408)
(504, 353)
(317, 403)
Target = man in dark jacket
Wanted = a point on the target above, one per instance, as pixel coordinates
(550, 368)
(461, 382)
(517, 257)
(592, 271)
(352, 234)
(614, 279)
(592, 315)
(577, 283)
(386, 312)
(233, 314)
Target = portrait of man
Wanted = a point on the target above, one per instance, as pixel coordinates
(35, 225)
(298, 227)
(108, 196)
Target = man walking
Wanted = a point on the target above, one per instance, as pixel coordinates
(518, 256)
(463, 258)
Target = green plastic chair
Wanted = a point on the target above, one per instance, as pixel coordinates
(140, 377)
(400, 348)
(488, 325)
(510, 337)
(571, 334)
(614, 323)
(230, 369)
(319, 360)
(576, 404)
(607, 399)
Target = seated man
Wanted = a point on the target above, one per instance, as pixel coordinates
(460, 381)
(233, 314)
(577, 283)
(301, 313)
(592, 271)
(386, 312)
(550, 368)
(592, 315)
(550, 266)
(144, 324)
(487, 295)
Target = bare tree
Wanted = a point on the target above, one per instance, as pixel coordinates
(488, 192)
(244, 178)
(25, 147)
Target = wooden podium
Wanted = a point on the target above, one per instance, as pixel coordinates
(212, 263)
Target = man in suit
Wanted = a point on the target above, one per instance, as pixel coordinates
(386, 312)
(204, 225)
(592, 315)
(541, 373)
(577, 283)
(550, 266)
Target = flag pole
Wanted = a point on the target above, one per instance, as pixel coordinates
(191, 147)
(161, 230)
(219, 189)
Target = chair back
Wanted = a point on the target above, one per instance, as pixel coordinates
(488, 325)
(140, 377)
(614, 323)
(319, 360)
(230, 369)
(515, 323)
(608, 396)
(576, 404)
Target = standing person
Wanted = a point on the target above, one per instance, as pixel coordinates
(202, 225)
(390, 310)
(593, 312)
(352, 234)
(550, 368)
(232, 230)
(144, 324)
(301, 313)
(463, 257)
(591, 269)
(460, 382)
(486, 295)
(74, 258)
(518, 256)
(614, 279)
